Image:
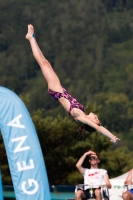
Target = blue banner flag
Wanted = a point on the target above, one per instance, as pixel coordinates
(23, 150)
(1, 189)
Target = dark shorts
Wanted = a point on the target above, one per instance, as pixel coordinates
(87, 194)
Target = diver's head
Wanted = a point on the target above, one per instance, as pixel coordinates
(94, 118)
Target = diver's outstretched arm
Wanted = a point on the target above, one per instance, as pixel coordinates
(83, 119)
(47, 70)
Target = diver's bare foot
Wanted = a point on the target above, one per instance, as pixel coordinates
(30, 33)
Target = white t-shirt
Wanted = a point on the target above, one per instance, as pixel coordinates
(94, 178)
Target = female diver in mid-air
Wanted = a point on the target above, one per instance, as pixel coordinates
(55, 89)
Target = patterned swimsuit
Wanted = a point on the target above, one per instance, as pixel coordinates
(73, 102)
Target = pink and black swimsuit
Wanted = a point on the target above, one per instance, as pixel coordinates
(73, 102)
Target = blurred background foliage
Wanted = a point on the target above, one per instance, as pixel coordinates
(90, 46)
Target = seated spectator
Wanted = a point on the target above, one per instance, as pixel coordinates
(128, 195)
(93, 177)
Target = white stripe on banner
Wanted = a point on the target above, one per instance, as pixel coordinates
(1, 189)
(23, 149)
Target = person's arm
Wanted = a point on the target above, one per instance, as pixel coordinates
(107, 181)
(81, 160)
(128, 181)
(83, 119)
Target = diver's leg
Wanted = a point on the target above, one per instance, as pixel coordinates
(47, 70)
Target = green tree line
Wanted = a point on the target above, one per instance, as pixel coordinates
(89, 44)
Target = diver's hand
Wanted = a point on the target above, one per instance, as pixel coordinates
(115, 140)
